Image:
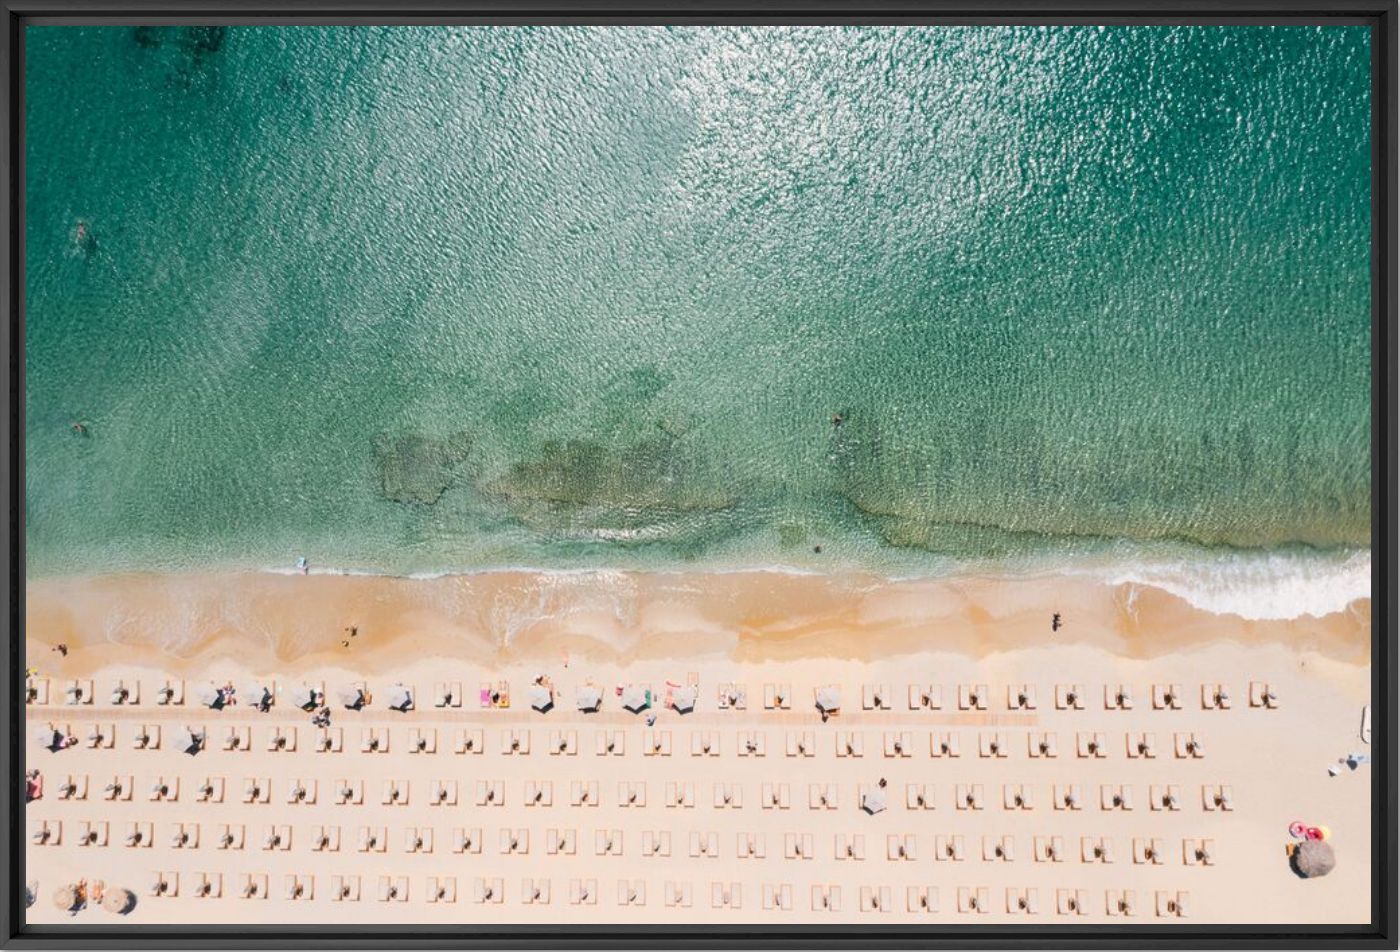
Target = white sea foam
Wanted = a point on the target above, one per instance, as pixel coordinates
(1252, 585)
(1257, 586)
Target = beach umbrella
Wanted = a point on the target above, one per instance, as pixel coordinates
(67, 898)
(304, 697)
(400, 698)
(589, 697)
(352, 696)
(193, 739)
(31, 890)
(260, 695)
(120, 901)
(210, 695)
(634, 698)
(541, 697)
(683, 699)
(1313, 858)
(873, 801)
(49, 736)
(828, 698)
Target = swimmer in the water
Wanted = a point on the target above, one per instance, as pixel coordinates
(83, 237)
(838, 418)
(80, 428)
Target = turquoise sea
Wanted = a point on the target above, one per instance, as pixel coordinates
(419, 300)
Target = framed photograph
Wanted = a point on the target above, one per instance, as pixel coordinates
(816, 476)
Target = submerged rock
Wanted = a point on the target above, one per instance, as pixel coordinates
(418, 469)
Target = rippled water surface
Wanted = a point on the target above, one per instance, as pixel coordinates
(434, 299)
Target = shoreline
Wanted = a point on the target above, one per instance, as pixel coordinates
(278, 620)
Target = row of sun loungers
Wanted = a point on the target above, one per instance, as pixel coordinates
(655, 742)
(634, 793)
(633, 892)
(729, 696)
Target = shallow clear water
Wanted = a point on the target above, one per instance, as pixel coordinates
(436, 299)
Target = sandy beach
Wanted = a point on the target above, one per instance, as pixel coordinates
(983, 649)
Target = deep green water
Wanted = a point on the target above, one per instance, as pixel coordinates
(435, 299)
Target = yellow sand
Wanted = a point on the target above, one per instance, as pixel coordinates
(754, 628)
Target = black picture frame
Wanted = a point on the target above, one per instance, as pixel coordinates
(1379, 15)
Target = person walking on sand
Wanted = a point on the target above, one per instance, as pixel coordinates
(1055, 622)
(61, 648)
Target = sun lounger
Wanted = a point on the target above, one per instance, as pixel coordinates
(585, 892)
(1119, 902)
(702, 845)
(140, 834)
(972, 697)
(1069, 697)
(752, 744)
(968, 796)
(922, 899)
(1071, 902)
(1022, 901)
(345, 889)
(349, 791)
(656, 843)
(325, 839)
(992, 744)
(466, 840)
(78, 691)
(1117, 697)
(850, 744)
(36, 690)
(945, 744)
(1048, 849)
(1166, 697)
(468, 741)
(1068, 797)
(1215, 697)
(1261, 694)
(125, 692)
(1020, 697)
(1090, 744)
(973, 899)
(443, 793)
(93, 833)
(442, 889)
(230, 836)
(393, 889)
(850, 846)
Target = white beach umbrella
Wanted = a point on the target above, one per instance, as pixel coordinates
(352, 696)
(193, 739)
(259, 694)
(209, 694)
(873, 801)
(589, 697)
(683, 699)
(48, 735)
(541, 697)
(400, 698)
(829, 698)
(304, 697)
(634, 698)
